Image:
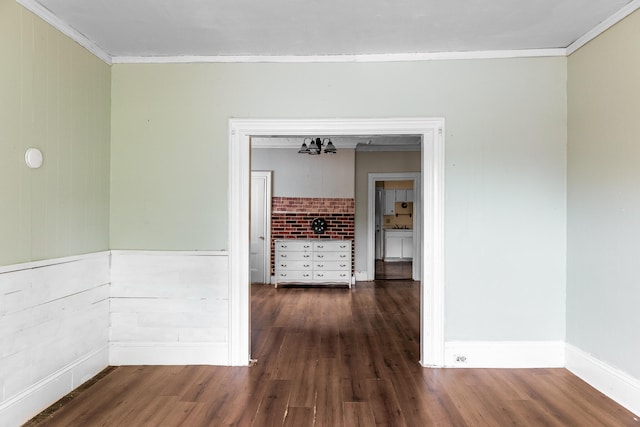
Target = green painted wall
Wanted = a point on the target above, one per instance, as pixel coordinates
(55, 96)
(604, 197)
(505, 167)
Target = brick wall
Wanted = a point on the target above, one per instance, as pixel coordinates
(291, 219)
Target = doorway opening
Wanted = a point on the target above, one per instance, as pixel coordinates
(431, 256)
(394, 226)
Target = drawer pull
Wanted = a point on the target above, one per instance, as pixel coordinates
(283, 274)
(283, 255)
(343, 275)
(343, 256)
(320, 265)
(343, 265)
(305, 275)
(283, 265)
(306, 265)
(306, 246)
(306, 256)
(320, 275)
(320, 246)
(320, 256)
(343, 246)
(283, 246)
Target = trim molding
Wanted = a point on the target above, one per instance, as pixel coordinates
(21, 407)
(432, 301)
(47, 16)
(612, 382)
(52, 261)
(505, 354)
(160, 353)
(603, 26)
(372, 177)
(169, 253)
(383, 57)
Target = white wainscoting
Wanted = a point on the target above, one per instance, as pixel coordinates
(169, 308)
(54, 323)
(612, 382)
(504, 354)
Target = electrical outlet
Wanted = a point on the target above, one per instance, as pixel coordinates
(460, 358)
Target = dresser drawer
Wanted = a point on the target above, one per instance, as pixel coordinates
(331, 265)
(292, 245)
(294, 276)
(331, 276)
(331, 256)
(332, 246)
(294, 265)
(293, 256)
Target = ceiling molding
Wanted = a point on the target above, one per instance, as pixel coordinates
(390, 57)
(275, 143)
(371, 148)
(603, 26)
(47, 16)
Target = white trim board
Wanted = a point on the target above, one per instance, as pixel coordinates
(371, 224)
(47, 16)
(603, 26)
(504, 354)
(383, 57)
(612, 382)
(431, 131)
(22, 407)
(53, 261)
(162, 353)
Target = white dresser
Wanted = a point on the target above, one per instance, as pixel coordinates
(313, 261)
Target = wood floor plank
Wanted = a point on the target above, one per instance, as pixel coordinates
(358, 414)
(337, 357)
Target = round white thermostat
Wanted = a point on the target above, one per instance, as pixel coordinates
(33, 157)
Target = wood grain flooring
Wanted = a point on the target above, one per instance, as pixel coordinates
(398, 270)
(337, 357)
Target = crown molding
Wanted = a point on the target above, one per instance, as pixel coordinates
(47, 16)
(390, 57)
(603, 26)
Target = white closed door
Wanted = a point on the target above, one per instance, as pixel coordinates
(260, 252)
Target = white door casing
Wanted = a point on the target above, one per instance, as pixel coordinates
(432, 201)
(260, 254)
(416, 270)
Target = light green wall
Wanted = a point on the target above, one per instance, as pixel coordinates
(603, 288)
(55, 96)
(505, 167)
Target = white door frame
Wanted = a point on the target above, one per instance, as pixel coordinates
(371, 226)
(265, 176)
(432, 282)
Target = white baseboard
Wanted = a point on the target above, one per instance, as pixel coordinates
(610, 381)
(504, 354)
(158, 353)
(361, 276)
(20, 408)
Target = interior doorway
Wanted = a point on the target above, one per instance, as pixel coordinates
(395, 223)
(431, 217)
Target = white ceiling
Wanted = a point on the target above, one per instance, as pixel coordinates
(172, 28)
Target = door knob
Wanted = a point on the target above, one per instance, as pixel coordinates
(261, 237)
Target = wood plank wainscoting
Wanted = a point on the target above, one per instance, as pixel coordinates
(337, 357)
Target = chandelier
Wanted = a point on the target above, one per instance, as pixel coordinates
(315, 146)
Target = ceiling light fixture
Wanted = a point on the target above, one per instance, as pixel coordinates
(315, 146)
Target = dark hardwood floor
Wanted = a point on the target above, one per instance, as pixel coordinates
(398, 270)
(337, 357)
